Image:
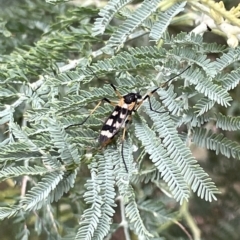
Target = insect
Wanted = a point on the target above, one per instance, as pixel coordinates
(122, 113)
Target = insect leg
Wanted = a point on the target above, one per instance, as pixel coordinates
(123, 138)
(116, 91)
(149, 100)
(104, 99)
(150, 105)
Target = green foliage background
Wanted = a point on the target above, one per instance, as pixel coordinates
(56, 183)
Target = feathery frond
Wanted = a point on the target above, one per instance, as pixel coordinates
(17, 171)
(164, 20)
(67, 182)
(7, 212)
(136, 19)
(91, 216)
(106, 178)
(69, 152)
(230, 80)
(203, 105)
(228, 123)
(169, 171)
(39, 194)
(216, 142)
(56, 79)
(106, 14)
(178, 152)
(233, 55)
(132, 213)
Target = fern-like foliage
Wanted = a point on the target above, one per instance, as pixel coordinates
(39, 193)
(132, 213)
(68, 153)
(56, 162)
(228, 123)
(107, 182)
(135, 20)
(11, 172)
(91, 216)
(164, 19)
(106, 15)
(227, 59)
(128, 198)
(164, 165)
(216, 142)
(182, 157)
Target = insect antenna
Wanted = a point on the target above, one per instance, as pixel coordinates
(148, 95)
(163, 85)
(122, 147)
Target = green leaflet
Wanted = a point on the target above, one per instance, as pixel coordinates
(106, 14)
(169, 171)
(91, 216)
(39, 194)
(16, 171)
(48, 86)
(135, 20)
(181, 156)
(216, 142)
(107, 182)
(228, 123)
(164, 20)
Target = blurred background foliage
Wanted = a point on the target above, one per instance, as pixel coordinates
(29, 27)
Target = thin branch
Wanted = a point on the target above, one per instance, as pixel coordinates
(24, 185)
(26, 164)
(124, 222)
(185, 214)
(184, 229)
(52, 218)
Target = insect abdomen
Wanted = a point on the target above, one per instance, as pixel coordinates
(113, 124)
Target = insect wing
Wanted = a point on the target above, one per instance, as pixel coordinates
(113, 124)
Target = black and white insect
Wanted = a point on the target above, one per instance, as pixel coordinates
(122, 113)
